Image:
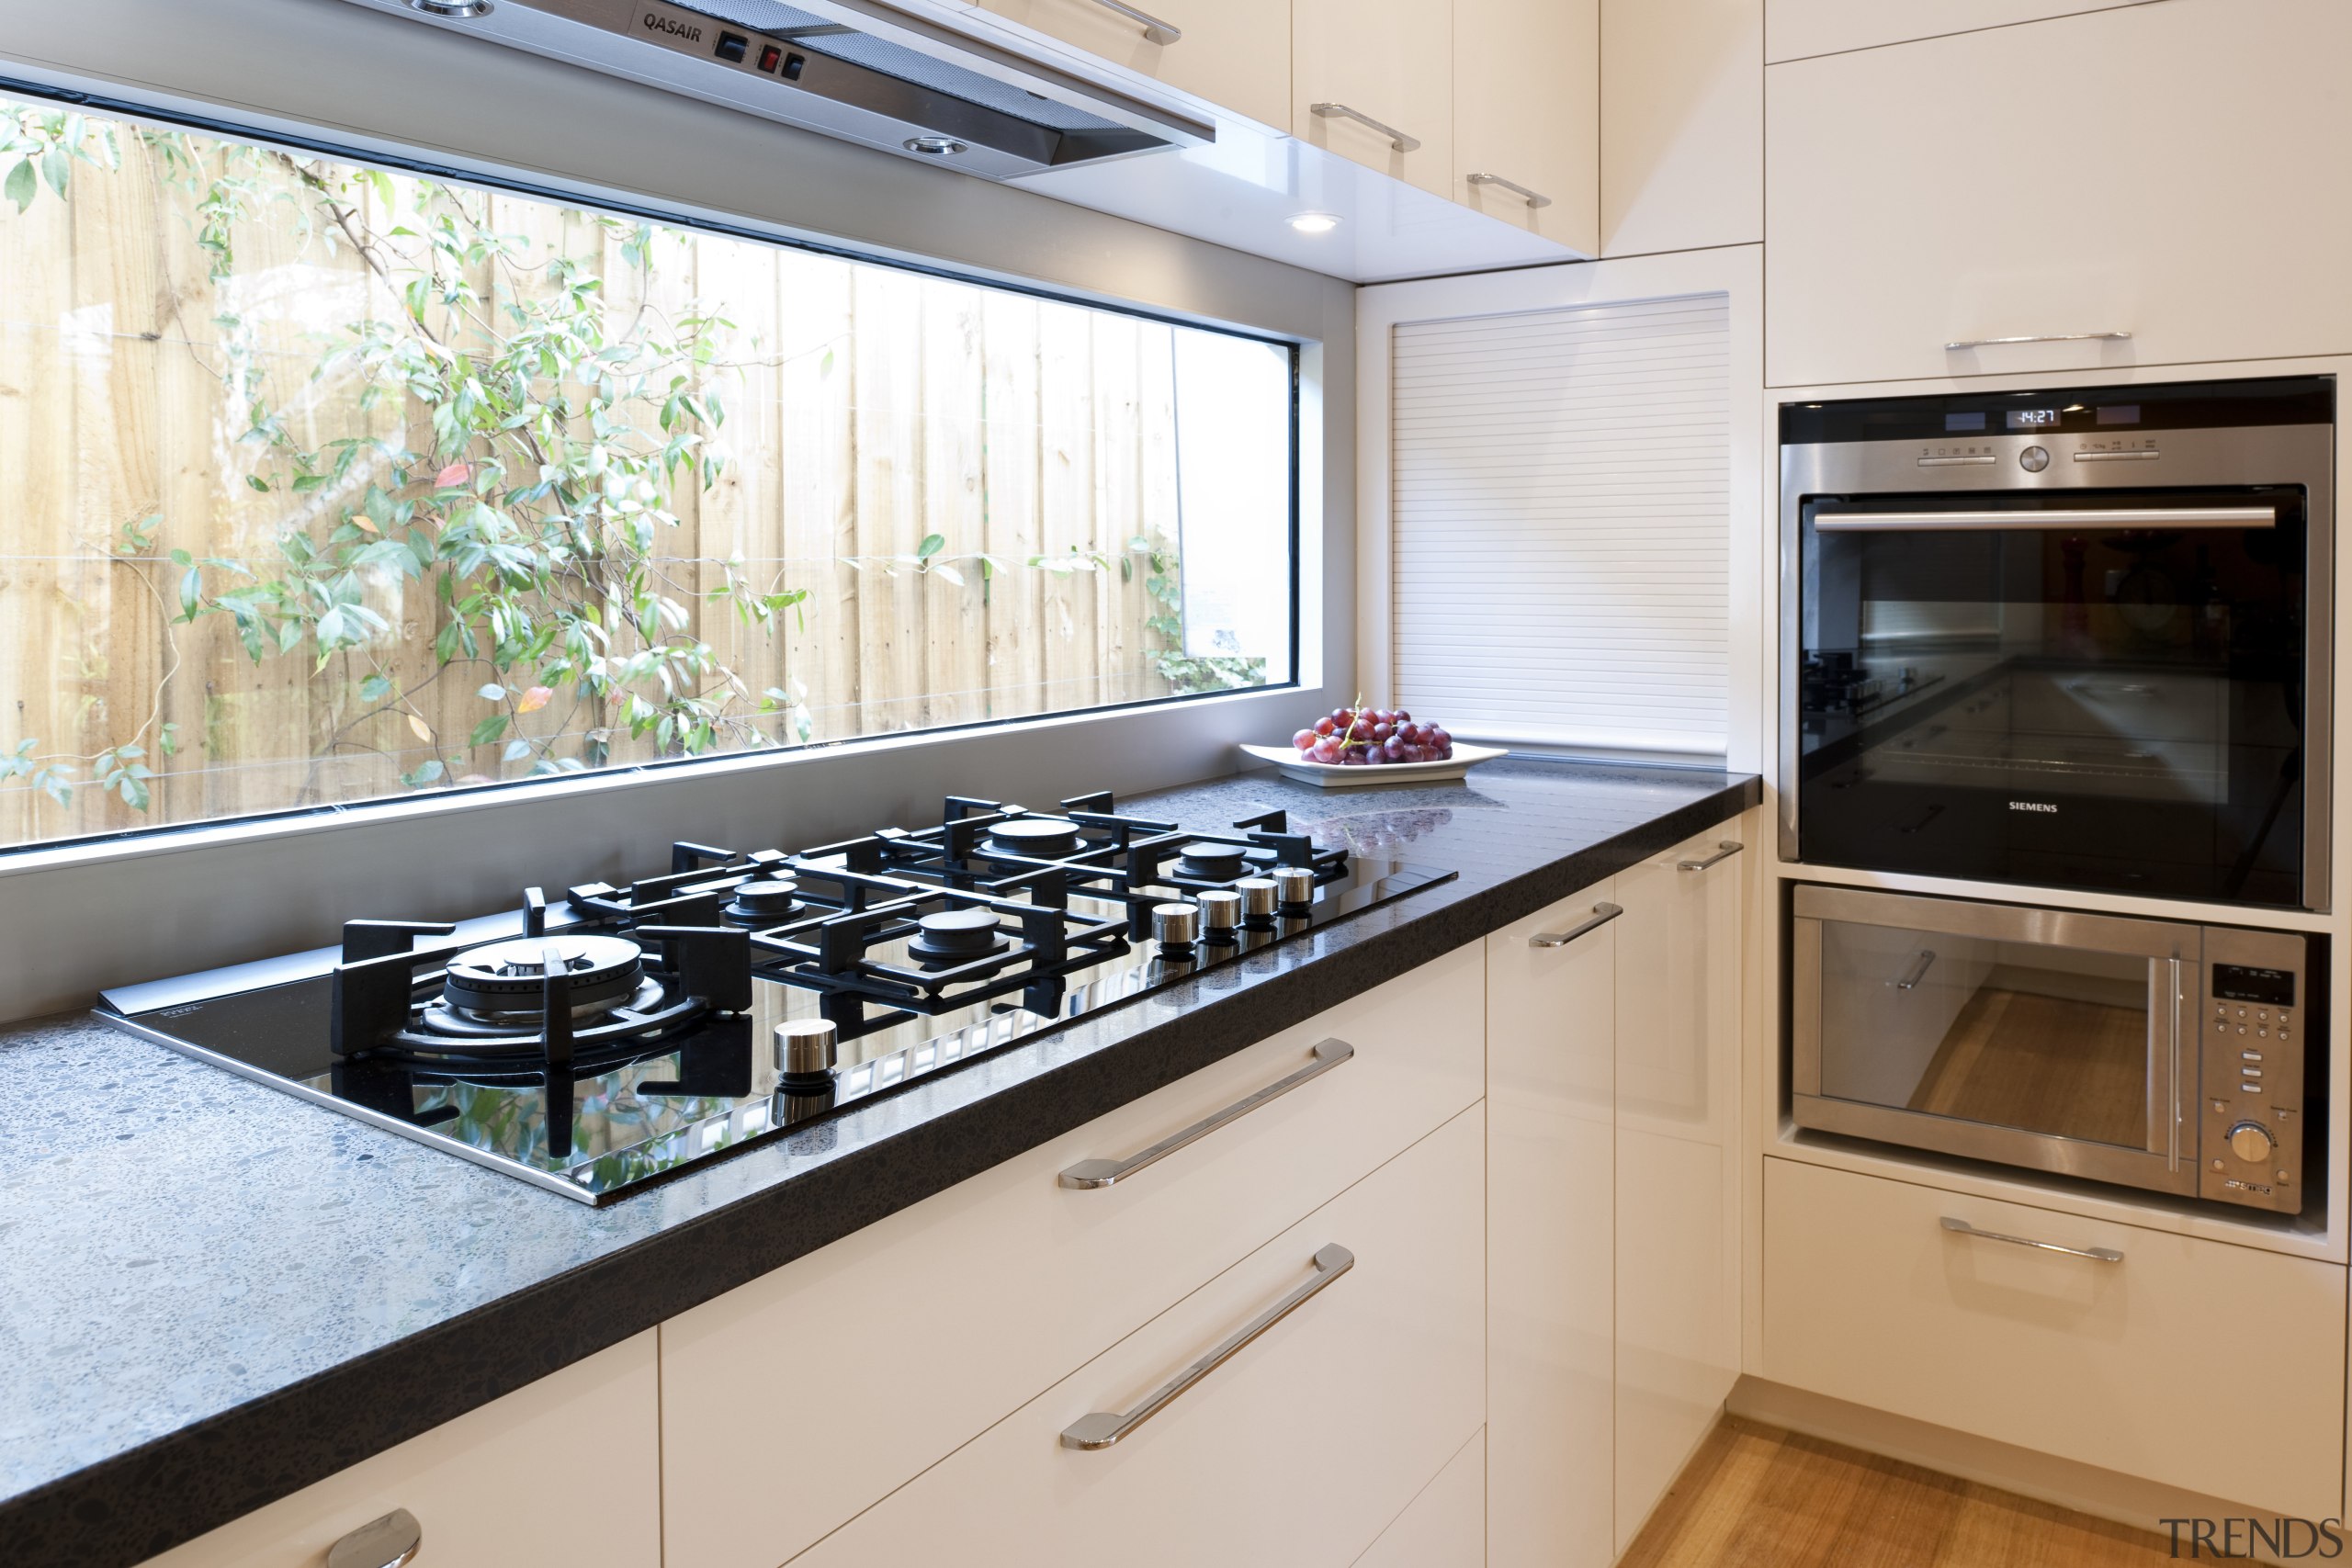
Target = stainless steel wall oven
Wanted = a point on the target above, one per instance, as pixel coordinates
(2151, 1054)
(2068, 639)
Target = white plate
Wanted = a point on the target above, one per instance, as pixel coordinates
(1335, 775)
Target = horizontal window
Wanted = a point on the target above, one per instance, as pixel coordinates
(323, 482)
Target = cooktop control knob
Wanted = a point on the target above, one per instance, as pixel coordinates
(1259, 899)
(2251, 1142)
(807, 1048)
(1175, 925)
(1295, 884)
(1220, 914)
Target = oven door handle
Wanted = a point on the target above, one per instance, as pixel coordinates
(2063, 518)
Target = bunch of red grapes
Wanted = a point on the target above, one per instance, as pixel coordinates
(1361, 736)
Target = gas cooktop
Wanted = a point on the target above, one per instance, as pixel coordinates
(600, 1041)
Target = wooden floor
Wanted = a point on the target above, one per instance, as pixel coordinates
(1756, 1496)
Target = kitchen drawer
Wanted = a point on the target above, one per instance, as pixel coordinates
(1296, 1451)
(1232, 53)
(2203, 237)
(1445, 1526)
(915, 1334)
(559, 1474)
(2192, 1363)
(1795, 28)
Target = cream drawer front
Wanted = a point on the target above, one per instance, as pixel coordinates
(915, 1334)
(554, 1475)
(1445, 1526)
(1296, 1451)
(1874, 262)
(2197, 1364)
(1795, 28)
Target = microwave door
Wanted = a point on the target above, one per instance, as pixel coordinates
(2040, 1039)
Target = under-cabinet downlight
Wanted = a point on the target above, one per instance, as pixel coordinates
(933, 146)
(1313, 223)
(452, 10)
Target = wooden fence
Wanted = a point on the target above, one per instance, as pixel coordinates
(868, 409)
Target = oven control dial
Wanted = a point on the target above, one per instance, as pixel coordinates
(2033, 459)
(2251, 1142)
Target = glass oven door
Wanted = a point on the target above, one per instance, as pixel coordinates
(2080, 688)
(2049, 1039)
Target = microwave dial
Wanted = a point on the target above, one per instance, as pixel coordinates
(2251, 1142)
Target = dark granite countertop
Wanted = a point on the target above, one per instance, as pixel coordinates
(215, 1294)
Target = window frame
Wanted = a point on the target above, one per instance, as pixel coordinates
(283, 877)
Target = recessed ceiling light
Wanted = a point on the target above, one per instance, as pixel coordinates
(1314, 223)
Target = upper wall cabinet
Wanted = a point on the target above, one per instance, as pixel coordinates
(2195, 225)
(1795, 29)
(1373, 80)
(1526, 136)
(1234, 53)
(1681, 125)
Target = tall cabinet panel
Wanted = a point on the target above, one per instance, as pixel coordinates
(1681, 125)
(1550, 1065)
(1382, 72)
(1677, 1174)
(1234, 53)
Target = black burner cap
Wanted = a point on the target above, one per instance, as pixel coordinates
(1040, 838)
(772, 898)
(1212, 861)
(957, 933)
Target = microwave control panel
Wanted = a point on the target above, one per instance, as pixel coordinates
(2255, 1016)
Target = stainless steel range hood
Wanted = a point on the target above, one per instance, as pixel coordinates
(850, 69)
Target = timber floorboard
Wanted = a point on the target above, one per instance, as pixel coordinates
(1757, 1496)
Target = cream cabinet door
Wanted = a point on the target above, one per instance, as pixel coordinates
(1527, 115)
(562, 1472)
(1678, 1042)
(2197, 221)
(1373, 80)
(1298, 1449)
(1232, 53)
(1550, 1069)
(1445, 1525)
(1795, 28)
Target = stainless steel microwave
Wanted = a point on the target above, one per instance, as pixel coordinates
(2076, 638)
(2150, 1053)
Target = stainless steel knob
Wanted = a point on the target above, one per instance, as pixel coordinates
(2251, 1142)
(807, 1047)
(1295, 884)
(1220, 913)
(1175, 925)
(1260, 898)
(389, 1542)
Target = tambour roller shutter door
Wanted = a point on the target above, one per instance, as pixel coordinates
(1561, 515)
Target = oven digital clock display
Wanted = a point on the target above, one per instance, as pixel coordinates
(2030, 418)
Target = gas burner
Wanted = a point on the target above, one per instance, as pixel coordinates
(956, 936)
(766, 902)
(1036, 838)
(1210, 859)
(504, 983)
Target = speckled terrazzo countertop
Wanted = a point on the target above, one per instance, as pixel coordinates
(213, 1294)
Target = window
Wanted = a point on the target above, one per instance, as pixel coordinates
(322, 483)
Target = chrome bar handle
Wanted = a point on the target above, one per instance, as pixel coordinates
(1602, 914)
(1724, 850)
(1154, 30)
(2096, 1254)
(1535, 198)
(1396, 138)
(1088, 1175)
(389, 1542)
(2053, 519)
(1920, 968)
(2037, 337)
(1105, 1428)
(2172, 1117)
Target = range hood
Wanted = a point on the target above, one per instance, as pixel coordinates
(849, 69)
